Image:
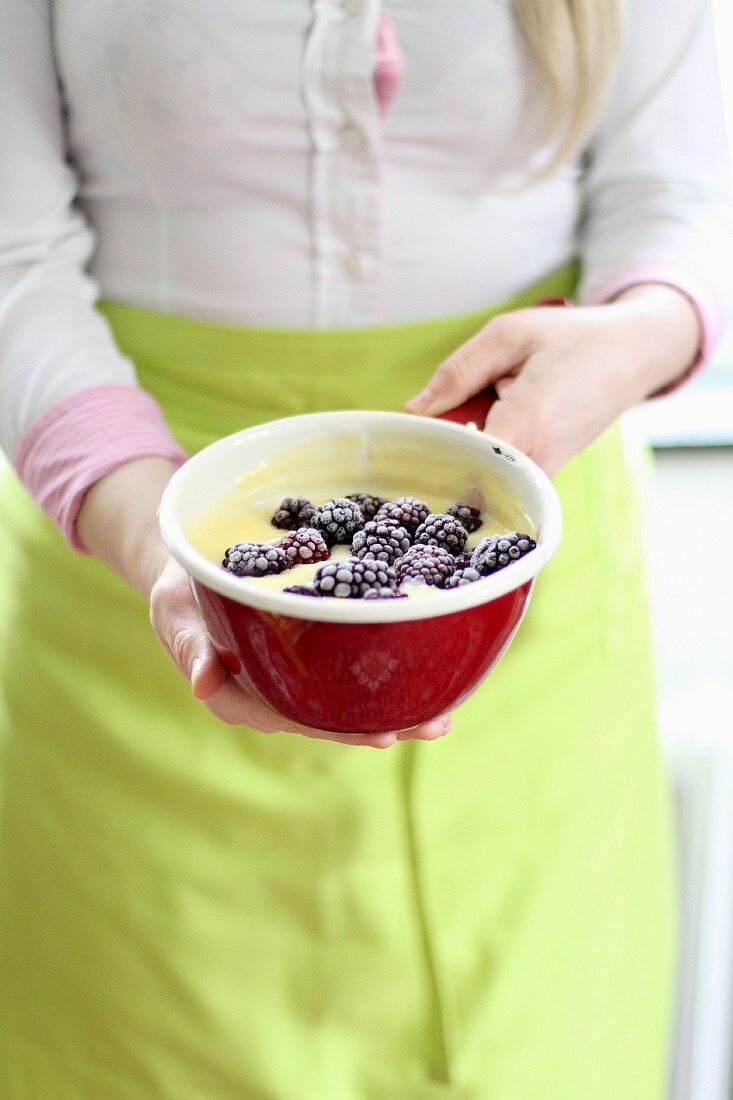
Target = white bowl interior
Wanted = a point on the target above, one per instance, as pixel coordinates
(326, 454)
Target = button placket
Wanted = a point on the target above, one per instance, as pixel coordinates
(338, 88)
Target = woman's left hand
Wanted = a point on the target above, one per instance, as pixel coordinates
(564, 375)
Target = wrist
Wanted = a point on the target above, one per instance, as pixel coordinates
(118, 521)
(665, 329)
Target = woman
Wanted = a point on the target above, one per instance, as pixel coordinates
(303, 207)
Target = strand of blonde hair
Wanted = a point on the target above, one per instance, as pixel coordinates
(576, 45)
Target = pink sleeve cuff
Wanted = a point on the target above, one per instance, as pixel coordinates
(691, 283)
(84, 437)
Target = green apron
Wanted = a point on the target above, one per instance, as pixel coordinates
(194, 911)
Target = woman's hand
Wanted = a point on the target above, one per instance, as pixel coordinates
(564, 375)
(179, 626)
(117, 523)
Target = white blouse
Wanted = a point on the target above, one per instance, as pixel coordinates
(228, 161)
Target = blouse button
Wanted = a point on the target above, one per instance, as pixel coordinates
(352, 138)
(357, 265)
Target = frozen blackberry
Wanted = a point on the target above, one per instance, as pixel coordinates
(293, 513)
(382, 539)
(463, 561)
(353, 578)
(432, 564)
(255, 559)
(468, 517)
(304, 547)
(408, 512)
(338, 520)
(368, 504)
(301, 590)
(384, 594)
(440, 529)
(463, 576)
(497, 551)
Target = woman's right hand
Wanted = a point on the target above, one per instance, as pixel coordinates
(117, 522)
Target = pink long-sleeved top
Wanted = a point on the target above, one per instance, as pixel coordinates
(191, 159)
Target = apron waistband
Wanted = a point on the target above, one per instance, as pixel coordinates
(212, 379)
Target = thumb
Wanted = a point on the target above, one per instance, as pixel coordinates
(196, 657)
(178, 624)
(502, 344)
(207, 674)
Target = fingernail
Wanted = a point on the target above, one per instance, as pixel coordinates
(421, 402)
(447, 723)
(196, 668)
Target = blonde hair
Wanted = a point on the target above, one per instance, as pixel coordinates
(576, 45)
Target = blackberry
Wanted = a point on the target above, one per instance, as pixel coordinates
(353, 578)
(432, 564)
(384, 594)
(301, 590)
(408, 512)
(293, 513)
(463, 561)
(440, 529)
(338, 520)
(304, 547)
(468, 517)
(368, 504)
(463, 576)
(382, 539)
(255, 559)
(497, 551)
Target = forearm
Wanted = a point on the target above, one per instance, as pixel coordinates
(118, 521)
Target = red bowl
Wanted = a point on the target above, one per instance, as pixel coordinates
(361, 666)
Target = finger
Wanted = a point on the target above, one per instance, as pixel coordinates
(501, 345)
(208, 675)
(429, 731)
(360, 740)
(236, 706)
(177, 623)
(191, 649)
(509, 422)
(523, 415)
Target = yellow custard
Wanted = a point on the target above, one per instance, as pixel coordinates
(334, 466)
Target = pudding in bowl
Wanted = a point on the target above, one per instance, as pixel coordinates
(356, 665)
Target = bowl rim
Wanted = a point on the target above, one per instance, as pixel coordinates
(443, 602)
